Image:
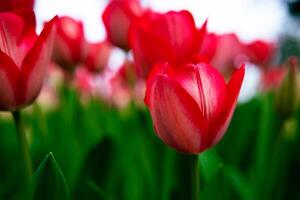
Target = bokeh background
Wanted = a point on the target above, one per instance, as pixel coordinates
(107, 149)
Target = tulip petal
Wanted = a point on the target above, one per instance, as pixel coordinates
(11, 27)
(201, 34)
(207, 87)
(9, 74)
(233, 89)
(35, 63)
(176, 115)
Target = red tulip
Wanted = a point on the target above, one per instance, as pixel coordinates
(97, 56)
(272, 78)
(23, 61)
(70, 44)
(191, 106)
(117, 18)
(11, 5)
(157, 38)
(230, 52)
(261, 52)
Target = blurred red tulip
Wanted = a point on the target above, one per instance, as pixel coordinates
(172, 37)
(229, 52)
(22, 63)
(261, 52)
(83, 81)
(11, 5)
(97, 56)
(117, 18)
(191, 106)
(70, 45)
(272, 78)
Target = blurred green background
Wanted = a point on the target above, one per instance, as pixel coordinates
(109, 153)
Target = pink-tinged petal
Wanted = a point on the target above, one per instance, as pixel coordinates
(9, 74)
(11, 27)
(207, 87)
(175, 115)
(233, 89)
(35, 63)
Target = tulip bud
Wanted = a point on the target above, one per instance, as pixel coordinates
(261, 52)
(23, 62)
(69, 44)
(97, 56)
(117, 18)
(287, 95)
(191, 106)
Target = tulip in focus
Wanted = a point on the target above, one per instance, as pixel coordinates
(118, 17)
(191, 106)
(170, 37)
(23, 61)
(97, 56)
(70, 45)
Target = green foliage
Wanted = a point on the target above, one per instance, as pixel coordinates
(109, 153)
(48, 181)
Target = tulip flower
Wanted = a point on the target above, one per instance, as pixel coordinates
(272, 78)
(97, 56)
(171, 37)
(261, 52)
(23, 61)
(227, 53)
(117, 18)
(70, 45)
(191, 106)
(11, 5)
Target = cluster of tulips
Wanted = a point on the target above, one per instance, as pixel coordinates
(187, 77)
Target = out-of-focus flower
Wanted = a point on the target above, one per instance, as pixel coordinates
(272, 77)
(11, 5)
(97, 56)
(23, 61)
(287, 95)
(122, 84)
(70, 46)
(229, 52)
(261, 52)
(191, 106)
(171, 37)
(83, 81)
(117, 18)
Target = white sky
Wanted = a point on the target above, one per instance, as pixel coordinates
(250, 19)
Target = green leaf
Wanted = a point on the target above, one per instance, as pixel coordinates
(210, 164)
(48, 181)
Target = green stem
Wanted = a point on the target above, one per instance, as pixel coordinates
(194, 177)
(26, 161)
